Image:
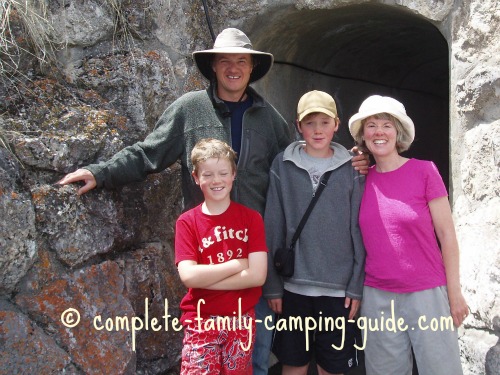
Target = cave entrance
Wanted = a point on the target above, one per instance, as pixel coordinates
(357, 51)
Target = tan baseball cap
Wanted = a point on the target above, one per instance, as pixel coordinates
(316, 101)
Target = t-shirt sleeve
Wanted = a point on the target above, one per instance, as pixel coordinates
(186, 245)
(256, 234)
(435, 187)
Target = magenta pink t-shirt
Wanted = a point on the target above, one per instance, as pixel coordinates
(402, 252)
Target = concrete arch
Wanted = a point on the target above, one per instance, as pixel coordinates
(356, 51)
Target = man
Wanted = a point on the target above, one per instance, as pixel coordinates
(229, 110)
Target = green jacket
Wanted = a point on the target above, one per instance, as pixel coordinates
(197, 115)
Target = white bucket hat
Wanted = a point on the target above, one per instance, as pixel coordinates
(382, 104)
(233, 41)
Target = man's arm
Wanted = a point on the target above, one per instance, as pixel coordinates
(360, 161)
(80, 175)
(133, 163)
(159, 150)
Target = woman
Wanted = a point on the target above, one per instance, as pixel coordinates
(409, 274)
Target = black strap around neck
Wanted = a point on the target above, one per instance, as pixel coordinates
(317, 193)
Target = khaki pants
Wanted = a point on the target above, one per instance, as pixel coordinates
(397, 322)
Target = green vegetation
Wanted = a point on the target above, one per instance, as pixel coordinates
(26, 31)
(37, 33)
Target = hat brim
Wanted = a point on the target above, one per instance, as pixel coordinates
(316, 110)
(406, 121)
(263, 61)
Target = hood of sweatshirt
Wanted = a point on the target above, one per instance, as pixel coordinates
(340, 154)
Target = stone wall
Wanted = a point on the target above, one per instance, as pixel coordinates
(108, 254)
(475, 140)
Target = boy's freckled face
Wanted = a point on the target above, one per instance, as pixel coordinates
(318, 130)
(215, 178)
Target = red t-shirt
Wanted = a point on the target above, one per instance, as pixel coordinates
(213, 239)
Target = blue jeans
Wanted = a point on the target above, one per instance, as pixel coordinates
(263, 338)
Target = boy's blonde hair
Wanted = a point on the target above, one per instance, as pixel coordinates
(209, 148)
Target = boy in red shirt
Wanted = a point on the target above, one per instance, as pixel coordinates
(221, 256)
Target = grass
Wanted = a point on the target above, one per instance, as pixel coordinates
(122, 26)
(37, 33)
(35, 40)
(26, 30)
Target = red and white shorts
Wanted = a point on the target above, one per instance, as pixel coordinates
(227, 350)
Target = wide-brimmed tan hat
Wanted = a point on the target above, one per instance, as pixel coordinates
(382, 104)
(233, 41)
(316, 101)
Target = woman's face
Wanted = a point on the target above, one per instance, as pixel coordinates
(380, 136)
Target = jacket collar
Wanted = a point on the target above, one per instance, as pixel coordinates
(221, 107)
(340, 154)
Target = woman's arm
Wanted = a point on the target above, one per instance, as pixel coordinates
(254, 275)
(195, 275)
(445, 231)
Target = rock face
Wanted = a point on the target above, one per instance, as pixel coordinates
(17, 222)
(94, 292)
(106, 258)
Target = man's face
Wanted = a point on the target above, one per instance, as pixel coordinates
(233, 74)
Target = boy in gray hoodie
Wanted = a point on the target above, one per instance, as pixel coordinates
(325, 291)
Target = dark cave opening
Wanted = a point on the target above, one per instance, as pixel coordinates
(356, 51)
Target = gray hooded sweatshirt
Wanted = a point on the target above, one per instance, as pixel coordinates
(329, 252)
